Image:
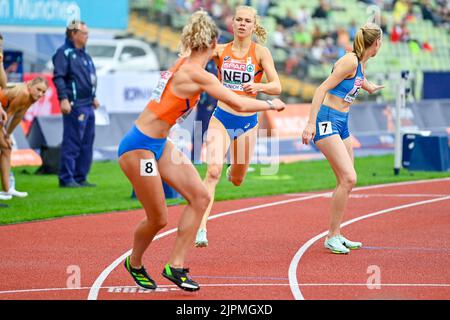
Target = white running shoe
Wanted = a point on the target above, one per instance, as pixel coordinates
(5, 196)
(201, 240)
(353, 245)
(335, 245)
(15, 193)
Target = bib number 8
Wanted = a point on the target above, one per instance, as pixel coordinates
(148, 168)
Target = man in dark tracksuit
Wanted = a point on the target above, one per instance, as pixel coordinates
(75, 80)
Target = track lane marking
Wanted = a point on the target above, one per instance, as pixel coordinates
(94, 291)
(295, 287)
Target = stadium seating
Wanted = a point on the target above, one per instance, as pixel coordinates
(391, 59)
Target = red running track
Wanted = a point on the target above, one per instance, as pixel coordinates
(268, 248)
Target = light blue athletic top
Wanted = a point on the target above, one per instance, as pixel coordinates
(348, 88)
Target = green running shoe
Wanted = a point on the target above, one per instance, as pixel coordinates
(140, 276)
(335, 245)
(353, 245)
(180, 277)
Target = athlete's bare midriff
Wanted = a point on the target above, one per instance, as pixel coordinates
(149, 124)
(336, 103)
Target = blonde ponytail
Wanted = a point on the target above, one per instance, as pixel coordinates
(365, 37)
(199, 34)
(358, 44)
(260, 32)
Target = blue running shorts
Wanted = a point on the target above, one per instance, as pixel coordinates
(329, 122)
(135, 140)
(235, 125)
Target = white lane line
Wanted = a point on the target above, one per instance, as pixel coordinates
(167, 288)
(295, 287)
(93, 293)
(363, 195)
(380, 195)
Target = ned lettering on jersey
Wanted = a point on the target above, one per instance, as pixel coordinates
(237, 72)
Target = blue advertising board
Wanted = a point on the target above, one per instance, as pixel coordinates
(100, 14)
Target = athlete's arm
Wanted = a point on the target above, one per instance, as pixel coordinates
(344, 69)
(3, 115)
(217, 53)
(209, 83)
(273, 84)
(3, 78)
(16, 110)
(371, 87)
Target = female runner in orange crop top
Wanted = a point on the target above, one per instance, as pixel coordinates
(3, 81)
(147, 157)
(241, 65)
(15, 102)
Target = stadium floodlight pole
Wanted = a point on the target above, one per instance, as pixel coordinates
(399, 107)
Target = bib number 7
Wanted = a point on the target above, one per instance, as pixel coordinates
(325, 128)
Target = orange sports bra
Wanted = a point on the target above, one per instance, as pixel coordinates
(164, 103)
(4, 100)
(233, 71)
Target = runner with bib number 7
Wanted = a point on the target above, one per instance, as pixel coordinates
(328, 125)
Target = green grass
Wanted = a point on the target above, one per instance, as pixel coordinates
(113, 192)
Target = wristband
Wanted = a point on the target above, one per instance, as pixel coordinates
(271, 105)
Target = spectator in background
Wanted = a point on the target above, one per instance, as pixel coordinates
(322, 10)
(222, 13)
(302, 36)
(217, 10)
(303, 16)
(263, 7)
(383, 25)
(399, 32)
(428, 12)
(75, 80)
(343, 41)
(400, 10)
(288, 21)
(296, 64)
(352, 29)
(316, 33)
(279, 40)
(179, 5)
(317, 52)
(330, 51)
(410, 17)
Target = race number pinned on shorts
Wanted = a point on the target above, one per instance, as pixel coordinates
(148, 168)
(325, 128)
